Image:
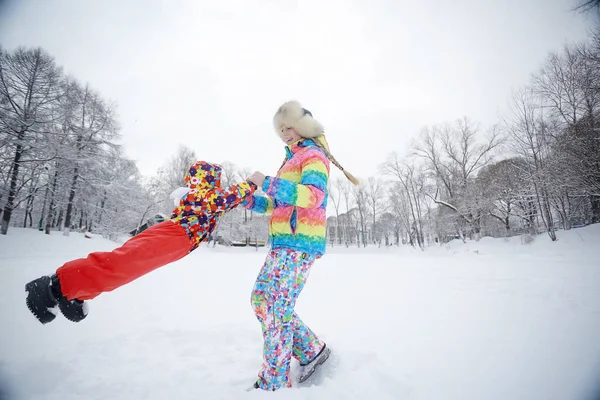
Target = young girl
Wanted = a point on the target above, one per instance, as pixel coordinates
(201, 203)
(297, 201)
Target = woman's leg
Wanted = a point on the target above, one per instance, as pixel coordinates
(306, 345)
(277, 287)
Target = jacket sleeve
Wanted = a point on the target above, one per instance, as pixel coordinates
(259, 204)
(223, 200)
(310, 192)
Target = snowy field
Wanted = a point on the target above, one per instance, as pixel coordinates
(492, 319)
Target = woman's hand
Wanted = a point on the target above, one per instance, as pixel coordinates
(258, 178)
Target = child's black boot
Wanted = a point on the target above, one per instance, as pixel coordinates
(44, 299)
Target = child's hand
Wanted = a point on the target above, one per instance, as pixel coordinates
(258, 178)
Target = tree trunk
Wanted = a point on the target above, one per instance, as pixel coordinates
(50, 216)
(461, 234)
(102, 203)
(60, 219)
(337, 227)
(595, 208)
(547, 215)
(562, 207)
(70, 202)
(373, 234)
(543, 200)
(12, 191)
(419, 226)
(507, 222)
(412, 211)
(363, 229)
(531, 217)
(40, 225)
(28, 210)
(410, 238)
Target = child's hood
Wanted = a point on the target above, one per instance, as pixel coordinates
(203, 176)
(199, 179)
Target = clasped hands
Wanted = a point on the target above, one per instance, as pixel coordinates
(258, 178)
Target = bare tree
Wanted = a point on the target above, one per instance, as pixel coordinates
(171, 174)
(386, 223)
(528, 131)
(400, 207)
(361, 199)
(375, 191)
(228, 174)
(453, 155)
(91, 126)
(508, 193)
(335, 196)
(345, 192)
(28, 87)
(411, 201)
(588, 5)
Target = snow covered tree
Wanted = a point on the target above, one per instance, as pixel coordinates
(507, 193)
(346, 220)
(361, 198)
(529, 133)
(29, 85)
(588, 5)
(91, 128)
(171, 175)
(410, 204)
(336, 200)
(375, 190)
(400, 209)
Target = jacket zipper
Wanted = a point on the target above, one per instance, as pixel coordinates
(293, 221)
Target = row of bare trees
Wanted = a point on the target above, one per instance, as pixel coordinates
(537, 170)
(59, 164)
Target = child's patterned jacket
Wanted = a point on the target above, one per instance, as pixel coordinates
(205, 202)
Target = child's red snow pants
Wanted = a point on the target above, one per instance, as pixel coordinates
(160, 244)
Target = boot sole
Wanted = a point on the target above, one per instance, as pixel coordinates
(69, 315)
(44, 315)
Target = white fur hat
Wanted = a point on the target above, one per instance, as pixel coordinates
(291, 114)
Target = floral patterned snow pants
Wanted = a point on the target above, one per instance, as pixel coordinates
(276, 290)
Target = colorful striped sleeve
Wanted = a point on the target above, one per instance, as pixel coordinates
(310, 192)
(259, 204)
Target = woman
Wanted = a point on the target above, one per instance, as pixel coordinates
(296, 199)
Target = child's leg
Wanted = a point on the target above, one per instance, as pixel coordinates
(277, 287)
(86, 278)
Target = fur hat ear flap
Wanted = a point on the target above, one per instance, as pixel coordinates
(292, 115)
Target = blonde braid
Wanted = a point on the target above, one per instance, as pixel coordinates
(331, 158)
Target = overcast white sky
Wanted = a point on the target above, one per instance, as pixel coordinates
(211, 74)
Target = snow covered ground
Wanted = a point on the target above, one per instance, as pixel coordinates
(492, 319)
